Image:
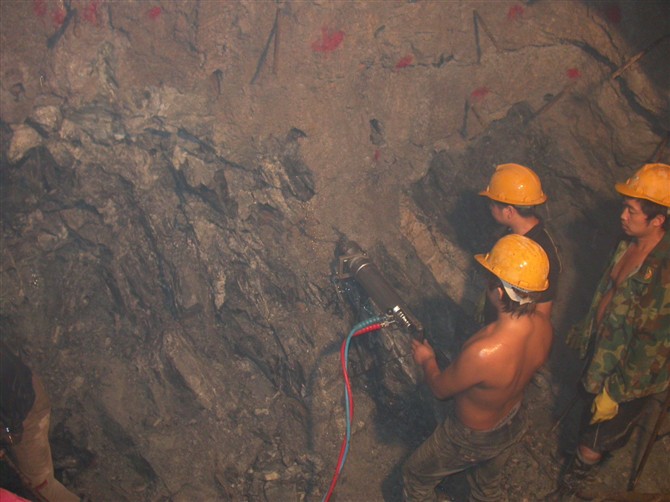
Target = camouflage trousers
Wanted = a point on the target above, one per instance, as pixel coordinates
(613, 434)
(453, 448)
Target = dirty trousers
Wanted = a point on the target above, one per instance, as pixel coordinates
(453, 448)
(33, 454)
(613, 434)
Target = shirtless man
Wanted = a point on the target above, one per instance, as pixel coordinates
(488, 378)
(626, 333)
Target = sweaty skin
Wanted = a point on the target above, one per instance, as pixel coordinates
(545, 308)
(490, 374)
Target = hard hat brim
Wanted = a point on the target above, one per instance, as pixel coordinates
(482, 260)
(535, 202)
(627, 191)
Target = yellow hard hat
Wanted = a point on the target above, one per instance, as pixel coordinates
(515, 184)
(650, 182)
(519, 261)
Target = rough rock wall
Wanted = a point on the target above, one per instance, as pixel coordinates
(176, 177)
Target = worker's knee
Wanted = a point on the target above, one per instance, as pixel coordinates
(588, 456)
(413, 488)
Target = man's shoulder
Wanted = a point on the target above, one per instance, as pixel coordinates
(492, 335)
(522, 327)
(481, 340)
(662, 250)
(541, 235)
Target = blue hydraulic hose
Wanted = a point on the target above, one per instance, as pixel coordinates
(347, 397)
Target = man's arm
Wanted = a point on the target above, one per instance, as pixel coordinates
(645, 369)
(630, 361)
(464, 372)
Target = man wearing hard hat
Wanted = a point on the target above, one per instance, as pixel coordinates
(625, 337)
(514, 192)
(487, 380)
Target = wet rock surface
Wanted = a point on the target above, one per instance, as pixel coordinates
(177, 180)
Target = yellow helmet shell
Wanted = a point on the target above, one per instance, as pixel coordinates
(519, 261)
(650, 182)
(515, 184)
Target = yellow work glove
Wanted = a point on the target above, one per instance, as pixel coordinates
(603, 408)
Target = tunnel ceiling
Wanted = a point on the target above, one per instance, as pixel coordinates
(177, 178)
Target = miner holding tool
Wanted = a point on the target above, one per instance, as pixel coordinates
(488, 378)
(625, 337)
(25, 412)
(514, 192)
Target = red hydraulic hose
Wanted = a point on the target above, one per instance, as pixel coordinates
(349, 397)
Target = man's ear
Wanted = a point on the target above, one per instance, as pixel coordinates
(496, 292)
(658, 220)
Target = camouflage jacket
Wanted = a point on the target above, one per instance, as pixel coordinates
(632, 343)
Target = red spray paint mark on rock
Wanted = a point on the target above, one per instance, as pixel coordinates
(378, 155)
(58, 16)
(40, 8)
(404, 62)
(154, 13)
(91, 13)
(573, 73)
(515, 12)
(330, 40)
(479, 94)
(612, 13)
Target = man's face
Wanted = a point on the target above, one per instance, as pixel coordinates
(633, 220)
(498, 212)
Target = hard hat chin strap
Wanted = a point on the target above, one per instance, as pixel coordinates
(510, 290)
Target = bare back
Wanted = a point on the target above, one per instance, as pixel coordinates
(506, 353)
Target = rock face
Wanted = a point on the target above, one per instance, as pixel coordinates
(177, 179)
